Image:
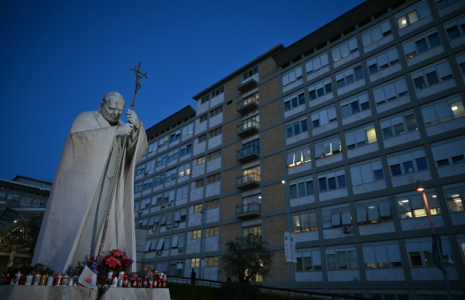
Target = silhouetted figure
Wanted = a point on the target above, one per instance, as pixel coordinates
(193, 276)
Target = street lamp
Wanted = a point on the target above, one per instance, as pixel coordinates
(437, 249)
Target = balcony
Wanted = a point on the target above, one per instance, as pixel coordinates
(248, 181)
(247, 85)
(247, 128)
(248, 153)
(249, 210)
(249, 241)
(247, 104)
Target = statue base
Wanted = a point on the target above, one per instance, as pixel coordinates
(28, 292)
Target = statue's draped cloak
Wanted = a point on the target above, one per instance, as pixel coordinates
(73, 221)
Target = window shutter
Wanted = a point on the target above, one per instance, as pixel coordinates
(326, 147)
(372, 209)
(444, 69)
(393, 253)
(335, 217)
(316, 63)
(335, 143)
(385, 26)
(324, 60)
(429, 114)
(147, 246)
(382, 59)
(160, 244)
(345, 214)
(350, 138)
(384, 208)
(361, 213)
(439, 152)
(416, 202)
(367, 174)
(174, 242)
(390, 91)
(332, 113)
(356, 175)
(353, 44)
(366, 38)
(442, 110)
(318, 150)
(369, 255)
(409, 47)
(423, 10)
(379, 95)
(381, 254)
(298, 72)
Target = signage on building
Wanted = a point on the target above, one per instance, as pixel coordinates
(289, 247)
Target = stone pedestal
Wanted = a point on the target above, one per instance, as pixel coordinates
(23, 292)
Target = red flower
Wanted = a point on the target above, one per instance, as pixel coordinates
(116, 253)
(112, 262)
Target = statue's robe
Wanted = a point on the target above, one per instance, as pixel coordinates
(73, 223)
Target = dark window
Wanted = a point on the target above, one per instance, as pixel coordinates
(419, 83)
(297, 128)
(457, 159)
(395, 170)
(316, 123)
(434, 40)
(442, 162)
(329, 88)
(293, 191)
(453, 32)
(365, 105)
(358, 73)
(341, 179)
(354, 107)
(332, 183)
(294, 102)
(350, 79)
(287, 105)
(415, 258)
(408, 167)
(312, 95)
(310, 190)
(411, 122)
(320, 92)
(301, 189)
(323, 186)
(432, 78)
(378, 174)
(340, 83)
(462, 68)
(421, 164)
(301, 99)
(304, 125)
(422, 46)
(373, 68)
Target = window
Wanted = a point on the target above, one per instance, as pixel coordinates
(252, 174)
(342, 259)
(373, 211)
(421, 43)
(248, 100)
(296, 157)
(297, 127)
(390, 91)
(455, 28)
(156, 200)
(412, 14)
(175, 136)
(186, 149)
(345, 49)
(304, 222)
(332, 181)
(250, 73)
(445, 3)
(215, 132)
(199, 183)
(140, 170)
(159, 179)
(195, 262)
(161, 160)
(205, 99)
(212, 204)
(213, 231)
(336, 217)
(163, 141)
(382, 256)
(292, 76)
(254, 231)
(249, 123)
(301, 188)
(171, 175)
(409, 162)
(421, 255)
(366, 172)
(349, 76)
(213, 178)
(217, 92)
(383, 61)
(411, 205)
(150, 165)
(432, 75)
(451, 152)
(184, 170)
(361, 137)
(173, 155)
(182, 192)
(187, 129)
(198, 208)
(203, 118)
(320, 88)
(376, 33)
(214, 155)
(148, 184)
(294, 101)
(355, 105)
(153, 147)
(461, 62)
(308, 261)
(216, 111)
(454, 198)
(211, 261)
(316, 63)
(398, 125)
(196, 234)
(138, 188)
(200, 160)
(202, 138)
(327, 147)
(250, 147)
(324, 117)
(443, 110)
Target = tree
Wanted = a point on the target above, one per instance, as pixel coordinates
(246, 258)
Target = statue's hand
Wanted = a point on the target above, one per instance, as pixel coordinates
(132, 118)
(124, 129)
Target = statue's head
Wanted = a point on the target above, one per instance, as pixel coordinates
(112, 106)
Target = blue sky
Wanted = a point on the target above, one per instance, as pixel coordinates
(58, 58)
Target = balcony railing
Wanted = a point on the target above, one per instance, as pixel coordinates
(247, 105)
(248, 127)
(248, 181)
(248, 210)
(248, 153)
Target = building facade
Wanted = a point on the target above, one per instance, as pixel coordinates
(326, 139)
(26, 198)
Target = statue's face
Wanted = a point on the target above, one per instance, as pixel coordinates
(112, 110)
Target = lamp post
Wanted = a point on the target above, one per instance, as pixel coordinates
(437, 249)
(203, 211)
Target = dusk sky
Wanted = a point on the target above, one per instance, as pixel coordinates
(59, 58)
